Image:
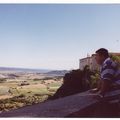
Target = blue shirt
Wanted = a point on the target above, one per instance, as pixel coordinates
(110, 70)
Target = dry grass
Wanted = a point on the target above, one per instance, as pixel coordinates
(5, 96)
(16, 96)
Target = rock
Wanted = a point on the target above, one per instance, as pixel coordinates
(73, 82)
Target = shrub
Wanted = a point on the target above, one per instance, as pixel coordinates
(94, 80)
(2, 80)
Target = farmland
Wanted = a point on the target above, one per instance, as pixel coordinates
(22, 89)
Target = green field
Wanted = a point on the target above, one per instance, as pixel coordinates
(21, 93)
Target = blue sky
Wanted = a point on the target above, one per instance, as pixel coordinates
(56, 36)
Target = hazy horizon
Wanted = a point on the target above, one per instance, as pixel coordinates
(56, 36)
(47, 69)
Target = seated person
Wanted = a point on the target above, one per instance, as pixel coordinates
(109, 72)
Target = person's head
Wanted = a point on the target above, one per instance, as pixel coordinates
(101, 55)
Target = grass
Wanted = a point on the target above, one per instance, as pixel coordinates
(38, 91)
(20, 101)
(33, 91)
(56, 84)
(3, 90)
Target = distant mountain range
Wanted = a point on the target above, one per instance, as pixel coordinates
(57, 72)
(23, 69)
(45, 71)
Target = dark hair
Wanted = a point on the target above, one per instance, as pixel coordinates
(103, 51)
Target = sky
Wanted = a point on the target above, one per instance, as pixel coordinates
(56, 36)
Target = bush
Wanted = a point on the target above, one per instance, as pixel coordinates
(116, 59)
(22, 95)
(2, 80)
(94, 80)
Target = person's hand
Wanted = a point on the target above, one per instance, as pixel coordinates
(98, 97)
(94, 90)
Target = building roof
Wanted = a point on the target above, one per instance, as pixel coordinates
(118, 54)
(85, 58)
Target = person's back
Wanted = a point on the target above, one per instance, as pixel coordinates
(117, 75)
(110, 71)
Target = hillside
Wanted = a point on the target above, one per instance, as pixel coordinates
(12, 69)
(57, 72)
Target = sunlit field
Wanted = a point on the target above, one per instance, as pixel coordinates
(26, 89)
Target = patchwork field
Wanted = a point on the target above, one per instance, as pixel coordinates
(21, 89)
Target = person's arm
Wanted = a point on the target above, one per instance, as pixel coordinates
(105, 86)
(107, 76)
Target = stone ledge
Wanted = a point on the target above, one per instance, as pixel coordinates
(58, 108)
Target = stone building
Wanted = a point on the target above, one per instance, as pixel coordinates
(90, 60)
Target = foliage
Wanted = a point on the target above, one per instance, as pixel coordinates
(116, 59)
(94, 80)
(20, 101)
